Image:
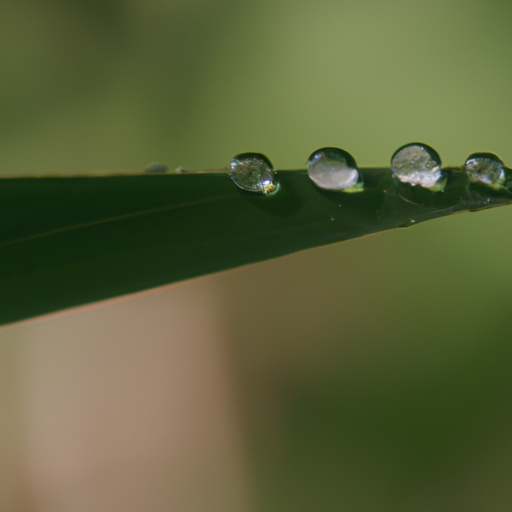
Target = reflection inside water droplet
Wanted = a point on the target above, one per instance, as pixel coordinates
(253, 172)
(334, 169)
(485, 168)
(418, 164)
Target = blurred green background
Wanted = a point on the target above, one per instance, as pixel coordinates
(371, 375)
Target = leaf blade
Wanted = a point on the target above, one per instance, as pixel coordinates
(75, 240)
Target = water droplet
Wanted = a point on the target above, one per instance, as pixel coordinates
(485, 168)
(156, 168)
(418, 164)
(253, 172)
(334, 169)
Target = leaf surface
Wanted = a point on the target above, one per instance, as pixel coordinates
(67, 241)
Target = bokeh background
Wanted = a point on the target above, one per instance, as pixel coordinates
(372, 375)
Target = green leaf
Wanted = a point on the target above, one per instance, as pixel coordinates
(67, 241)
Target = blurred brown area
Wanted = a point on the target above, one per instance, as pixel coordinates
(372, 375)
(124, 409)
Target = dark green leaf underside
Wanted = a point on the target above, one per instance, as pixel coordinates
(70, 241)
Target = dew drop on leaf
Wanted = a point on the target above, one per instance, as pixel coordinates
(334, 169)
(485, 168)
(418, 164)
(253, 172)
(156, 168)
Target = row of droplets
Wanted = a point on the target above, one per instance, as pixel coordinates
(415, 164)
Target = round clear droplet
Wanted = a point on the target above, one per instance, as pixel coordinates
(334, 169)
(485, 168)
(253, 172)
(418, 164)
